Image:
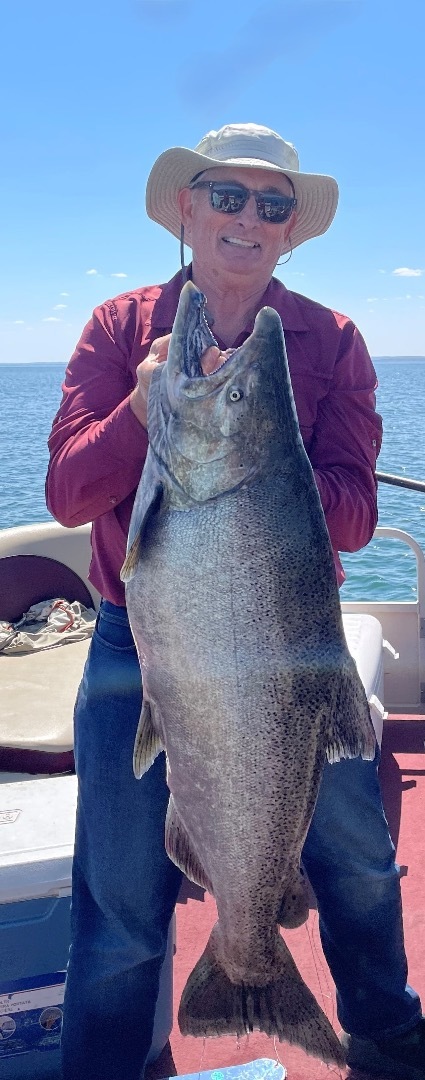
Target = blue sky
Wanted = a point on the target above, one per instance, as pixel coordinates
(92, 92)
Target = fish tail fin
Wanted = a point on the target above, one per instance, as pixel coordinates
(350, 732)
(213, 1005)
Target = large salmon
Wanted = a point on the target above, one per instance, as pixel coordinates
(248, 682)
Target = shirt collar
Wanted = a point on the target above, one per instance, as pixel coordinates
(166, 302)
(286, 303)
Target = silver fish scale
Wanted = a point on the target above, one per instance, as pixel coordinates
(248, 682)
(240, 694)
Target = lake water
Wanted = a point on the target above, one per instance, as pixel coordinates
(386, 569)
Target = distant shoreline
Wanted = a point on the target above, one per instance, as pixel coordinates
(63, 364)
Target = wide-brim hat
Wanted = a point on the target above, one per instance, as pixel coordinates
(247, 146)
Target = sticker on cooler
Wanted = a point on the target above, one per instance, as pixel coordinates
(31, 1014)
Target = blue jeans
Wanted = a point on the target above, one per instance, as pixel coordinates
(350, 861)
(125, 887)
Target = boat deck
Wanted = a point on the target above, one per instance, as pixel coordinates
(402, 771)
(403, 786)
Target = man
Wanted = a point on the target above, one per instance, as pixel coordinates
(240, 202)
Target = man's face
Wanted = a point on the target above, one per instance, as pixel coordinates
(235, 244)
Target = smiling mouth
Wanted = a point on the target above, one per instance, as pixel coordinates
(237, 240)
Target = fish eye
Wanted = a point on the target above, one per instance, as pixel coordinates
(235, 394)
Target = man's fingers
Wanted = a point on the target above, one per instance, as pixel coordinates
(159, 349)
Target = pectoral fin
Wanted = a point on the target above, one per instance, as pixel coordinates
(147, 502)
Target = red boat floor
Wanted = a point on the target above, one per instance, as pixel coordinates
(403, 787)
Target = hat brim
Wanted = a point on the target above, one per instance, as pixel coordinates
(317, 195)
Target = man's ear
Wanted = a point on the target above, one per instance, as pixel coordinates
(185, 198)
(290, 225)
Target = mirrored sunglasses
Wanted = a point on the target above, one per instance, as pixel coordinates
(231, 199)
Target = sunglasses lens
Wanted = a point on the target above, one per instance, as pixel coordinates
(231, 199)
(228, 198)
(274, 208)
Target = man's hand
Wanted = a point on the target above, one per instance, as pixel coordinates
(139, 397)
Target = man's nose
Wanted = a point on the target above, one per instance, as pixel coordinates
(249, 212)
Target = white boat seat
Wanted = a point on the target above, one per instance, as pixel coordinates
(38, 689)
(365, 642)
(38, 692)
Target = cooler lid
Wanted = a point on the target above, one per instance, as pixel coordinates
(37, 825)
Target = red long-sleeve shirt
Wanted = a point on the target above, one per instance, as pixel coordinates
(98, 447)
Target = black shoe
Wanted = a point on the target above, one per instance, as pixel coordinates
(400, 1058)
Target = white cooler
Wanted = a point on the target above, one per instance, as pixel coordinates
(37, 824)
(365, 642)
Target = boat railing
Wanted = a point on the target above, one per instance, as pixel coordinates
(402, 621)
(48, 540)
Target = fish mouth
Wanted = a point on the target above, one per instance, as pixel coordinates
(197, 335)
(196, 338)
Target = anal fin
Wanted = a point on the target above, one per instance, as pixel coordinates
(180, 850)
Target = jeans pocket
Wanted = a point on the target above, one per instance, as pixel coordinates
(110, 691)
(113, 628)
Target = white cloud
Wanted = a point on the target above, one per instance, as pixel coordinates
(392, 299)
(64, 294)
(118, 275)
(405, 271)
(59, 307)
(91, 273)
(382, 271)
(19, 322)
(51, 318)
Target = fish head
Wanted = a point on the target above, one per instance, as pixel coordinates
(214, 432)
